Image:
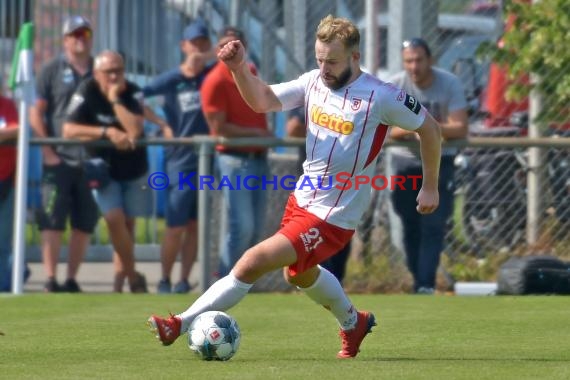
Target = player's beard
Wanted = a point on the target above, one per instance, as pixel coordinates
(341, 80)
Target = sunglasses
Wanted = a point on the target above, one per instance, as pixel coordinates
(114, 70)
(81, 33)
(417, 42)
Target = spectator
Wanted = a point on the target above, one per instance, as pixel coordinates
(8, 131)
(65, 192)
(228, 115)
(349, 116)
(108, 106)
(441, 93)
(179, 89)
(296, 127)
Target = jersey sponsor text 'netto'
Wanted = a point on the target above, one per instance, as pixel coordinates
(333, 122)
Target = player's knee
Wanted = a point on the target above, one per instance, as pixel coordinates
(250, 266)
(302, 280)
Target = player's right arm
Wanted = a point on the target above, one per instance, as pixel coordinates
(257, 94)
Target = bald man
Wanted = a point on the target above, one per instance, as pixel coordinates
(108, 107)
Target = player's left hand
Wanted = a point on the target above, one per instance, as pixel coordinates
(428, 201)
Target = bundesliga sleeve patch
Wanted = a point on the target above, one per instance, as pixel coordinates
(412, 104)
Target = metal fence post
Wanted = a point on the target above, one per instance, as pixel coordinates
(204, 165)
(535, 175)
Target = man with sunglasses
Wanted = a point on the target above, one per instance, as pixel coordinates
(65, 192)
(108, 106)
(441, 93)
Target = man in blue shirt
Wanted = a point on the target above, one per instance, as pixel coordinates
(179, 89)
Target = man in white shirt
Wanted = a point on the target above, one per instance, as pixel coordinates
(348, 114)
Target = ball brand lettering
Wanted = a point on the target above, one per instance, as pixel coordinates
(333, 122)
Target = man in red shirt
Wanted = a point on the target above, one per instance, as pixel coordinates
(228, 115)
(8, 131)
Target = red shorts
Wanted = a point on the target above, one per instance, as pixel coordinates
(314, 239)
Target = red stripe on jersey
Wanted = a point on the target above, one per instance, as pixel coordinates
(345, 96)
(314, 88)
(357, 152)
(379, 136)
(362, 133)
(314, 145)
(327, 168)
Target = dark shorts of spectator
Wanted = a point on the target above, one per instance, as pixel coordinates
(65, 193)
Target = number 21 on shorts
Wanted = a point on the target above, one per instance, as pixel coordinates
(311, 239)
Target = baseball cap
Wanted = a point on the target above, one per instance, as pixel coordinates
(196, 29)
(73, 23)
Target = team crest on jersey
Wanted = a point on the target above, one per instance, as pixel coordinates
(355, 104)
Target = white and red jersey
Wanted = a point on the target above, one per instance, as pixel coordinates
(345, 132)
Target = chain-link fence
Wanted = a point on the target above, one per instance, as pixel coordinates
(501, 193)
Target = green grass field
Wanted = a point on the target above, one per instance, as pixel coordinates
(286, 336)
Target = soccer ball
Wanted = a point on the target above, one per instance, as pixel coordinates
(214, 335)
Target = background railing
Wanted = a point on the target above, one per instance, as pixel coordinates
(487, 222)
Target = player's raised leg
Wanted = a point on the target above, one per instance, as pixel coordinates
(271, 254)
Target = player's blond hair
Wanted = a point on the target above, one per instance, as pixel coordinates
(335, 28)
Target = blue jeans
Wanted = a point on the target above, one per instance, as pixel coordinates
(424, 234)
(244, 208)
(133, 197)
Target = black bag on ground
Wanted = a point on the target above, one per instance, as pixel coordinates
(534, 275)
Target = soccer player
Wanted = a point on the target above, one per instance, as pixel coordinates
(349, 112)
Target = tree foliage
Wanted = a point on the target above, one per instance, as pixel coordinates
(538, 43)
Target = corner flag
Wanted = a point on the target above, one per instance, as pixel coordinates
(23, 61)
(22, 79)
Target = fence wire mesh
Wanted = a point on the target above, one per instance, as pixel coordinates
(491, 215)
